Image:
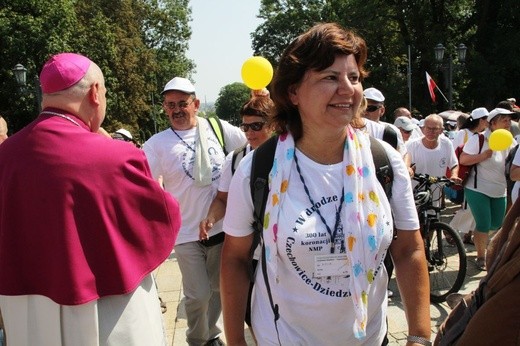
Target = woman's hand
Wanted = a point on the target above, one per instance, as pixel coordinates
(456, 179)
(487, 154)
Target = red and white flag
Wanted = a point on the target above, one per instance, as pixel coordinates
(431, 86)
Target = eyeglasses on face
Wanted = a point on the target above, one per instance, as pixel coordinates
(180, 104)
(373, 108)
(432, 129)
(256, 126)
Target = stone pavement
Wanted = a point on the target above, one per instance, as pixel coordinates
(169, 282)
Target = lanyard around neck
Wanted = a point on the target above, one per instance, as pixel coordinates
(332, 233)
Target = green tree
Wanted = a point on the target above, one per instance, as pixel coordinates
(29, 32)
(390, 28)
(230, 99)
(139, 45)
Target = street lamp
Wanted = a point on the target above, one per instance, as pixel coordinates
(461, 59)
(20, 74)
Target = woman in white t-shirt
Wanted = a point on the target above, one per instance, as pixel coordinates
(487, 200)
(474, 124)
(328, 223)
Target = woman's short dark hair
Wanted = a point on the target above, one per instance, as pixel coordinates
(315, 50)
(260, 104)
(470, 123)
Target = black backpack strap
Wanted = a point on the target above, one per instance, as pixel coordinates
(384, 171)
(390, 136)
(218, 130)
(263, 158)
(238, 155)
(480, 145)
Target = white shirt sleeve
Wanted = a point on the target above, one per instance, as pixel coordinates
(152, 158)
(225, 175)
(239, 224)
(233, 136)
(402, 201)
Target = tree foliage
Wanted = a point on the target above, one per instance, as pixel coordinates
(230, 99)
(392, 27)
(138, 44)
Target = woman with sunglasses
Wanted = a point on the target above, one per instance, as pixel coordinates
(255, 114)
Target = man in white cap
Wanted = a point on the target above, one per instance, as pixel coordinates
(189, 157)
(85, 223)
(376, 128)
(404, 112)
(124, 135)
(405, 126)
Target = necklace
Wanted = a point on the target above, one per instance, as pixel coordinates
(182, 140)
(62, 116)
(331, 233)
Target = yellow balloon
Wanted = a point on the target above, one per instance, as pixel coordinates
(500, 139)
(257, 72)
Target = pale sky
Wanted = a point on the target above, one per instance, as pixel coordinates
(220, 42)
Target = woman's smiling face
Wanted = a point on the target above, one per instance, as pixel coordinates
(329, 98)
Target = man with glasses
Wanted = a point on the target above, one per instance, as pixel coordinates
(433, 153)
(189, 158)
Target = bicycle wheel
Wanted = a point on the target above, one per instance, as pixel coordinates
(447, 263)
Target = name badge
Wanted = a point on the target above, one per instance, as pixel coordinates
(331, 265)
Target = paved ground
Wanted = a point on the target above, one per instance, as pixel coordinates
(169, 282)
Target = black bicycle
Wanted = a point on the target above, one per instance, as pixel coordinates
(443, 245)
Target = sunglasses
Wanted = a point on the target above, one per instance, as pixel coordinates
(373, 108)
(256, 126)
(181, 104)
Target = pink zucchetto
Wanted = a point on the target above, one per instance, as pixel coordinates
(63, 71)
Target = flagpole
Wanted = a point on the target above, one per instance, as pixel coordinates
(409, 79)
(441, 93)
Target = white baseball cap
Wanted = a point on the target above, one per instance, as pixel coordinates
(451, 123)
(373, 94)
(404, 123)
(180, 84)
(125, 133)
(498, 111)
(478, 113)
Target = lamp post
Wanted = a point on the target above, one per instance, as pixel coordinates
(451, 65)
(20, 74)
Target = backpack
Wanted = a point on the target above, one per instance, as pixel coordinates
(390, 136)
(262, 162)
(476, 318)
(218, 130)
(464, 170)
